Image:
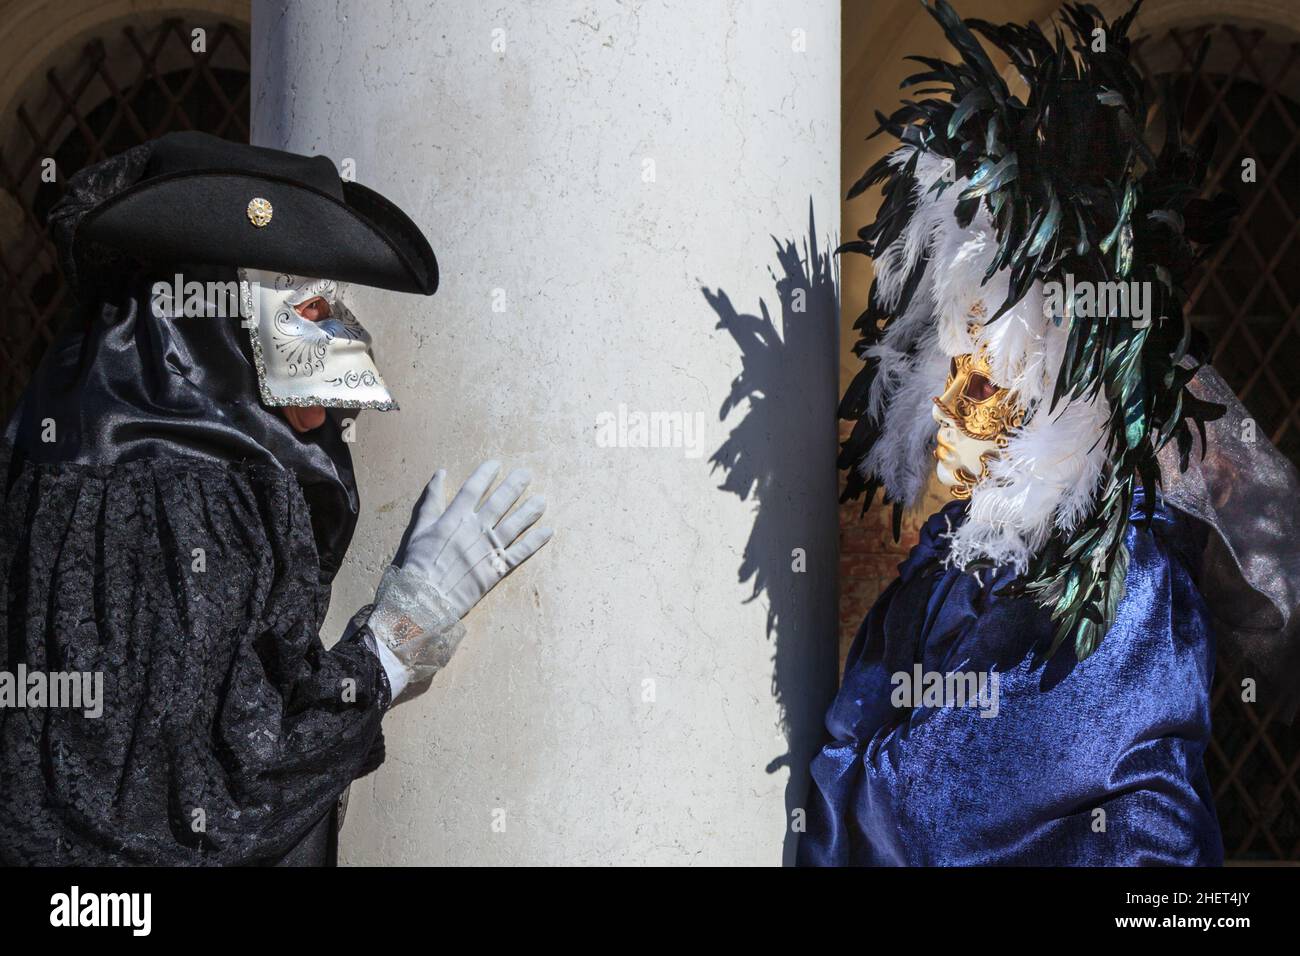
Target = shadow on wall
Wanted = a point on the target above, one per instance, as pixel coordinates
(781, 455)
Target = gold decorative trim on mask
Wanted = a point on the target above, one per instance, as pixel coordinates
(966, 482)
(978, 408)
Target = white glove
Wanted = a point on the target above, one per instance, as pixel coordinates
(447, 561)
(466, 550)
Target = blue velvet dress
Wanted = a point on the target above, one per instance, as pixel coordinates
(1123, 732)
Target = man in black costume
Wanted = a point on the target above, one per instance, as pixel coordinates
(178, 496)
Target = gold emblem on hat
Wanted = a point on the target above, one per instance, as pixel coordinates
(259, 212)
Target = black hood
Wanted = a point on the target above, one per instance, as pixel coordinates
(124, 384)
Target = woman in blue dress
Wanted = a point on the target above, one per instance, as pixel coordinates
(1034, 688)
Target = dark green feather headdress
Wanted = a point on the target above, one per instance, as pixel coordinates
(1053, 183)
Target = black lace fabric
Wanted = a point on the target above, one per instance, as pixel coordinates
(86, 265)
(228, 730)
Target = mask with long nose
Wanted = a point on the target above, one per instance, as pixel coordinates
(975, 416)
(311, 352)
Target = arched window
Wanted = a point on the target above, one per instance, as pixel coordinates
(134, 82)
(1246, 297)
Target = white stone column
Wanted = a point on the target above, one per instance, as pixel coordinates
(601, 183)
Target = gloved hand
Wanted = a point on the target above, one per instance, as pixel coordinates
(466, 550)
(447, 561)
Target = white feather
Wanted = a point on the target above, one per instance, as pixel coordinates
(1045, 478)
(1048, 475)
(901, 457)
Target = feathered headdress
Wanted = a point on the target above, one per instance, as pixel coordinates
(992, 201)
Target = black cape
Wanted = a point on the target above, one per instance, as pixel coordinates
(161, 527)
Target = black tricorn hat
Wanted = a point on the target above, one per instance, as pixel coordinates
(207, 200)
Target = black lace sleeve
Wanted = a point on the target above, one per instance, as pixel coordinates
(189, 591)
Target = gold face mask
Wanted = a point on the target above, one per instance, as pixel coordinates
(979, 408)
(976, 417)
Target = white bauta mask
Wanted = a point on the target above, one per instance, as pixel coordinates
(309, 348)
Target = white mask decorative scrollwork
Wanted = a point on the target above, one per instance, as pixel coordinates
(308, 347)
